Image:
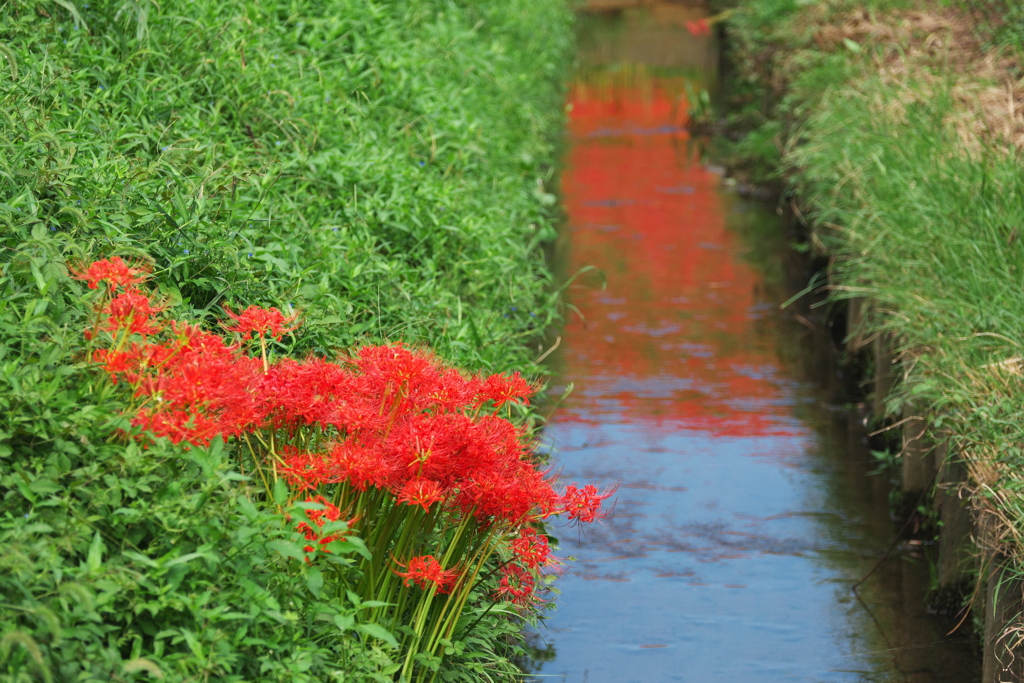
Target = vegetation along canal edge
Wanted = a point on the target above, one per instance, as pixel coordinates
(895, 130)
(272, 302)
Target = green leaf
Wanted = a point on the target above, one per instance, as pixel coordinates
(95, 558)
(280, 492)
(314, 580)
(193, 644)
(183, 559)
(379, 632)
(287, 548)
(44, 486)
(351, 544)
(344, 622)
(374, 603)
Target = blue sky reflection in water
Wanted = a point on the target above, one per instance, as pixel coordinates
(737, 531)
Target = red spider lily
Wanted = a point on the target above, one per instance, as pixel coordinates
(216, 389)
(306, 393)
(115, 362)
(330, 513)
(260, 321)
(197, 340)
(114, 271)
(305, 471)
(398, 367)
(194, 389)
(700, 27)
(502, 389)
(425, 571)
(496, 440)
(132, 310)
(517, 584)
(453, 391)
(320, 393)
(514, 496)
(389, 406)
(379, 433)
(363, 464)
(436, 446)
(407, 381)
(584, 505)
(178, 425)
(531, 549)
(133, 361)
(422, 492)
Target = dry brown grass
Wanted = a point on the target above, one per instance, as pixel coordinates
(917, 53)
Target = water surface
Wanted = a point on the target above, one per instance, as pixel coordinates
(744, 513)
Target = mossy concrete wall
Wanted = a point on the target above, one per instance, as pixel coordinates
(935, 473)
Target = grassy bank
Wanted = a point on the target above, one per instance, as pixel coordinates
(381, 168)
(897, 125)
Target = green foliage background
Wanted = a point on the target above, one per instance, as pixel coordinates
(383, 166)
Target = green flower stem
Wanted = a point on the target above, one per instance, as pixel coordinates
(444, 626)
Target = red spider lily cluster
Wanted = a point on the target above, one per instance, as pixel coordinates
(702, 27)
(699, 27)
(414, 452)
(584, 504)
(517, 584)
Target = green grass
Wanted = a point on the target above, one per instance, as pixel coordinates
(383, 167)
(927, 235)
(920, 225)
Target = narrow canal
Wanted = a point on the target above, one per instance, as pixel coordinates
(745, 513)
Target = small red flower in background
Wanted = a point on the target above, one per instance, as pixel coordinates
(114, 362)
(133, 311)
(700, 27)
(305, 471)
(425, 571)
(194, 339)
(502, 389)
(260, 321)
(178, 425)
(584, 505)
(114, 271)
(330, 513)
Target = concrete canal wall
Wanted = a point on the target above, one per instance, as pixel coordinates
(947, 484)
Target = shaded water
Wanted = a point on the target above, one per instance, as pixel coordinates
(744, 512)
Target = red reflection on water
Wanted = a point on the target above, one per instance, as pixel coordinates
(673, 336)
